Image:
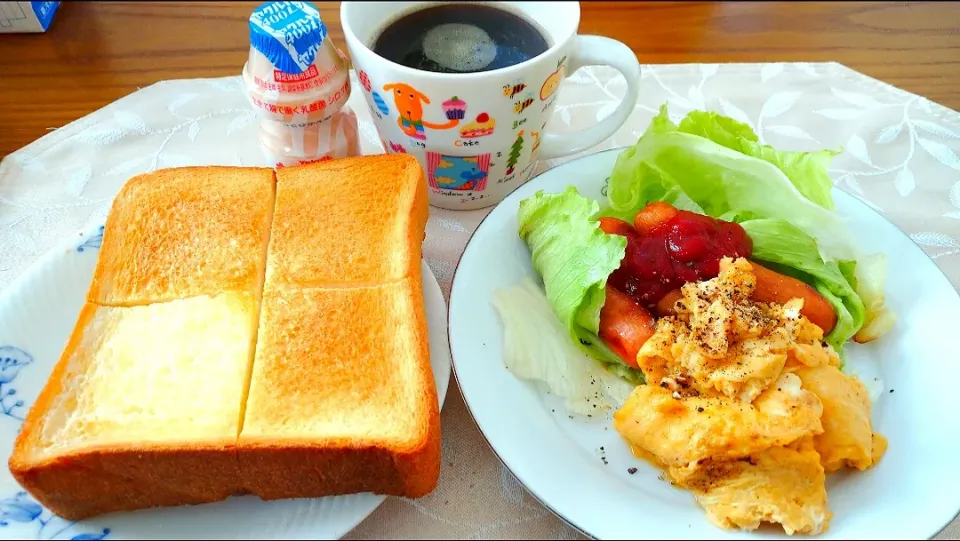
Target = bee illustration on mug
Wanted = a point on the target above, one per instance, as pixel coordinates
(522, 105)
(511, 90)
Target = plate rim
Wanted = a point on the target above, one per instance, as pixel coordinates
(16, 286)
(457, 376)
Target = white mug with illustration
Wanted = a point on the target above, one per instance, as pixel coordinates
(476, 116)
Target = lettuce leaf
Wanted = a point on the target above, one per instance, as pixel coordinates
(870, 275)
(574, 258)
(806, 170)
(537, 348)
(720, 178)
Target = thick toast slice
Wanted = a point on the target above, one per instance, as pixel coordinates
(342, 397)
(142, 408)
(148, 405)
(342, 329)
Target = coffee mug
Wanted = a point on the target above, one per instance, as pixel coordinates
(479, 135)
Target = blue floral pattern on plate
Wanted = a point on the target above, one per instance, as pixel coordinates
(11, 361)
(93, 241)
(21, 508)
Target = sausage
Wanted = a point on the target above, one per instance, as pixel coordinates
(667, 305)
(616, 226)
(774, 287)
(624, 326)
(652, 216)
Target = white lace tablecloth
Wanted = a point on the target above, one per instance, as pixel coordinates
(901, 157)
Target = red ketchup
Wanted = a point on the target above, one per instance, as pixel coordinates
(669, 248)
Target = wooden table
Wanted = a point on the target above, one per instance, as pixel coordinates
(97, 52)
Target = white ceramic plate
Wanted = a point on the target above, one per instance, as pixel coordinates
(37, 314)
(911, 494)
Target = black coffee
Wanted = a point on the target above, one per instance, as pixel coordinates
(460, 38)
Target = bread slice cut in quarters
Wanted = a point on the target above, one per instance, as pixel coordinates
(234, 342)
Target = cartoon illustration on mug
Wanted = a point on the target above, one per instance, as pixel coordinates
(461, 173)
(536, 144)
(553, 81)
(522, 105)
(381, 105)
(396, 148)
(512, 90)
(365, 81)
(481, 127)
(454, 108)
(515, 153)
(409, 102)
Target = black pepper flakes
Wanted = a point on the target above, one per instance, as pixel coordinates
(631, 471)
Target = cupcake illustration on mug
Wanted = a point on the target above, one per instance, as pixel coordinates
(455, 108)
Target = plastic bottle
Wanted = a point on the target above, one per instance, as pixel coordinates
(299, 83)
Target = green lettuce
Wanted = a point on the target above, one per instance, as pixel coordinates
(716, 165)
(721, 178)
(574, 257)
(807, 171)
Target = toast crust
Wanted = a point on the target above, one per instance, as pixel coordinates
(92, 482)
(184, 233)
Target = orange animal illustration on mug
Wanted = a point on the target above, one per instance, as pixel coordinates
(409, 102)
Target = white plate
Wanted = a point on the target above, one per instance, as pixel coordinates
(911, 493)
(37, 314)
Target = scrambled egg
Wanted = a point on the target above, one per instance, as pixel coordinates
(780, 484)
(683, 432)
(746, 407)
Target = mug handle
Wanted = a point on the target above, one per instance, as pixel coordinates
(597, 51)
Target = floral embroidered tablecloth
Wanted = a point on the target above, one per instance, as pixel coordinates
(901, 156)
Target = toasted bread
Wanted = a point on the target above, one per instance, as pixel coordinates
(141, 408)
(365, 415)
(182, 232)
(366, 418)
(357, 221)
(276, 350)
